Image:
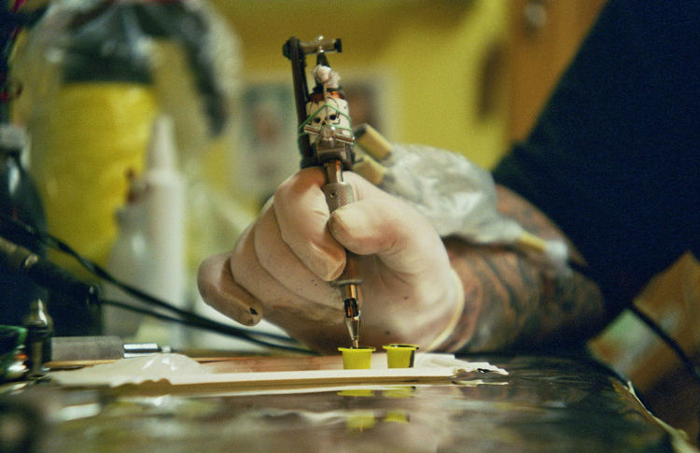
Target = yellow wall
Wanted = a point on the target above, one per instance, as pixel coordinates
(428, 53)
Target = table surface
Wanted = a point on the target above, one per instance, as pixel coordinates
(544, 404)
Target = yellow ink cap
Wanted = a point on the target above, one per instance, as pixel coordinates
(400, 355)
(357, 358)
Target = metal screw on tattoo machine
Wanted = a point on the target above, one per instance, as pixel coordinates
(326, 140)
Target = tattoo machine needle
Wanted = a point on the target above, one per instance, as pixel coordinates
(326, 140)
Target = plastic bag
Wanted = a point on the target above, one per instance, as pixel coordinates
(457, 196)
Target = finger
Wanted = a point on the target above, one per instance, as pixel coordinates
(302, 214)
(281, 305)
(218, 289)
(278, 259)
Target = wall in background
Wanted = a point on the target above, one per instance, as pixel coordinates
(544, 36)
(435, 68)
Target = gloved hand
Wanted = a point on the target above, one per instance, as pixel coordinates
(282, 266)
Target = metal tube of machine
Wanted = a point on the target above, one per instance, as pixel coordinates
(339, 193)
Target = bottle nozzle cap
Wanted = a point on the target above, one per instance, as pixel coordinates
(161, 151)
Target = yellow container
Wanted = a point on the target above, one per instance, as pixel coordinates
(357, 358)
(91, 136)
(400, 355)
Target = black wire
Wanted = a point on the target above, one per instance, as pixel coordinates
(692, 368)
(226, 329)
(687, 361)
(188, 318)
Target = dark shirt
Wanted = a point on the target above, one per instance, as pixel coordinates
(614, 158)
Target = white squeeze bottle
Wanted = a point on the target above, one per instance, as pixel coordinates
(165, 223)
(149, 252)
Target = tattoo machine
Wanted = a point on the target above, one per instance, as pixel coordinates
(326, 140)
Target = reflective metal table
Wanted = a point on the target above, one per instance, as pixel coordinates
(544, 404)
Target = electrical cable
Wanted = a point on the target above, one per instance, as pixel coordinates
(186, 317)
(687, 362)
(692, 368)
(215, 327)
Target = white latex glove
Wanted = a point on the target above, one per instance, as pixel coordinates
(282, 265)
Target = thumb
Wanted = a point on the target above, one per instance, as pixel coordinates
(381, 224)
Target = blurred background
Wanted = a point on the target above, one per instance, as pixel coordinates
(133, 106)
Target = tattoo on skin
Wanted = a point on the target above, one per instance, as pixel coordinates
(510, 301)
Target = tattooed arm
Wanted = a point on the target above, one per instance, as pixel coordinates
(510, 303)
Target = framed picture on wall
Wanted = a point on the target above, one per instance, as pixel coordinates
(267, 151)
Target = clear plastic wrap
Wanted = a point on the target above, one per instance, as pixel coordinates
(458, 196)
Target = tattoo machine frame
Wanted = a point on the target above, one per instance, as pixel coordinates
(326, 140)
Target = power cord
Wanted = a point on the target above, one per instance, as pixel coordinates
(690, 366)
(687, 362)
(175, 314)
